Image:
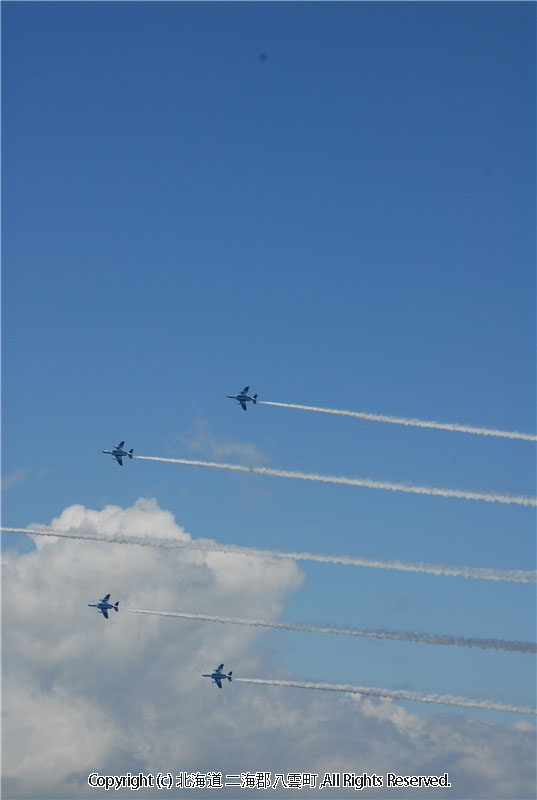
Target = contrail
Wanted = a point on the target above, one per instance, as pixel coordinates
(477, 573)
(489, 497)
(422, 638)
(417, 423)
(396, 694)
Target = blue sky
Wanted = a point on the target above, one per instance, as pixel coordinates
(349, 223)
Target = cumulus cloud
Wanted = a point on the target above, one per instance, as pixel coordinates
(82, 694)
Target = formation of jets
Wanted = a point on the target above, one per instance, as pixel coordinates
(104, 606)
(119, 453)
(243, 397)
(218, 676)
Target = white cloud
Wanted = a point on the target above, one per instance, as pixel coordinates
(65, 733)
(13, 479)
(220, 447)
(83, 694)
(524, 725)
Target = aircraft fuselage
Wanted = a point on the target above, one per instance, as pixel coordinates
(103, 606)
(119, 453)
(217, 677)
(243, 397)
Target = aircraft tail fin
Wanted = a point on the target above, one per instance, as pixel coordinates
(116, 605)
(254, 398)
(131, 452)
(229, 675)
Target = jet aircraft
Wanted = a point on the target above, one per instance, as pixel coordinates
(243, 397)
(218, 676)
(119, 453)
(104, 606)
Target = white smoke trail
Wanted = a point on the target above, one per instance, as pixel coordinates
(422, 638)
(489, 497)
(476, 573)
(417, 423)
(396, 694)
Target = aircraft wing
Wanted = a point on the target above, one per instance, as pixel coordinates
(243, 404)
(218, 682)
(245, 389)
(119, 460)
(105, 599)
(219, 668)
(120, 445)
(104, 612)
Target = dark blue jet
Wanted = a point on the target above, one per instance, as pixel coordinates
(104, 606)
(218, 676)
(243, 397)
(119, 453)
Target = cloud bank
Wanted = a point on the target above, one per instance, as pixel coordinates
(82, 694)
